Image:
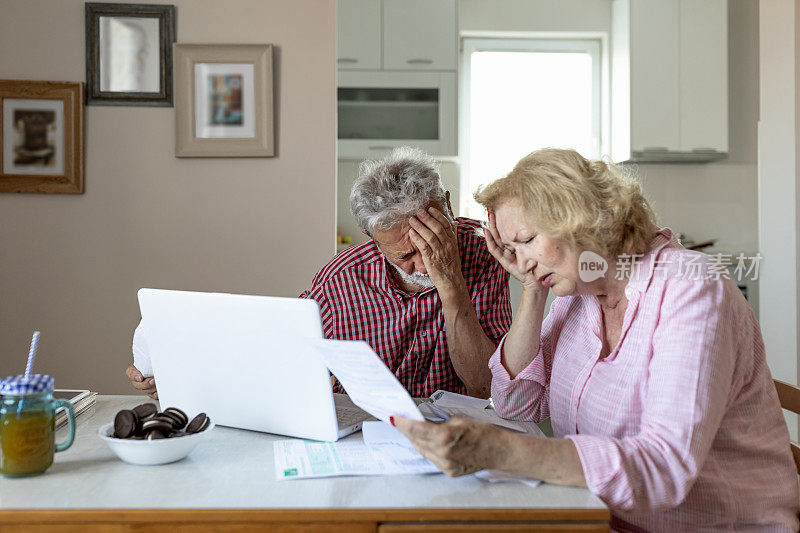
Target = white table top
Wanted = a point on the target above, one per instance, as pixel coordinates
(233, 469)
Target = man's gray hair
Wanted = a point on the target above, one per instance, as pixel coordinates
(394, 188)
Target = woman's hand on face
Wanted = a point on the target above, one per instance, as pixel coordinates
(458, 446)
(507, 258)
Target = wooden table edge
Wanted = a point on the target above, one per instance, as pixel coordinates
(298, 515)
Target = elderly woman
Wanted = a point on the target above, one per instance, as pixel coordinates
(652, 371)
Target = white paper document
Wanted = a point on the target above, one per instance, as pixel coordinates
(495, 476)
(444, 398)
(382, 451)
(485, 415)
(387, 442)
(455, 404)
(297, 459)
(367, 380)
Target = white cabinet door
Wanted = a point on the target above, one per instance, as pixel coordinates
(654, 68)
(419, 35)
(359, 39)
(704, 75)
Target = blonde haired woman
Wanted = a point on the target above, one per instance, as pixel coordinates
(653, 373)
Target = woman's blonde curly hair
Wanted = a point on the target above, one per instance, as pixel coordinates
(590, 205)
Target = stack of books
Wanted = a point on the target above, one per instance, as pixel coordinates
(81, 401)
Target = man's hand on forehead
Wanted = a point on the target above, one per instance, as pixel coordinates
(435, 237)
(433, 218)
(432, 225)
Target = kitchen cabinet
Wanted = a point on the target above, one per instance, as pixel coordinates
(397, 35)
(419, 35)
(669, 80)
(704, 74)
(397, 76)
(359, 34)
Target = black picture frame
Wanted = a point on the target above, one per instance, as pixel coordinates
(166, 23)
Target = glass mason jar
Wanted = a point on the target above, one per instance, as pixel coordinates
(27, 425)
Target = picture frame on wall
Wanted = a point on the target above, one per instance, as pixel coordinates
(41, 137)
(224, 100)
(129, 54)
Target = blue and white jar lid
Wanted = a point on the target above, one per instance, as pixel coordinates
(22, 385)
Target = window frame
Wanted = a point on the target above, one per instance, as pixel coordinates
(594, 44)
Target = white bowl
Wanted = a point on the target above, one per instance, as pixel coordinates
(151, 452)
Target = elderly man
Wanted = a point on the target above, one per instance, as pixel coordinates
(424, 292)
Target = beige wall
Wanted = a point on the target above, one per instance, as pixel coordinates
(71, 265)
(779, 188)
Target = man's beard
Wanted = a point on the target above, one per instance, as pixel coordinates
(416, 278)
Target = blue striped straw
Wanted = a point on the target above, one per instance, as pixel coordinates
(32, 353)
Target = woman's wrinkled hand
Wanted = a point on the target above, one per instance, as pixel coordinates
(458, 447)
(507, 258)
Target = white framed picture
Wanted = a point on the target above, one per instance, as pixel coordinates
(223, 100)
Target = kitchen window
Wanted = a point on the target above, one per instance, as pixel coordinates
(521, 94)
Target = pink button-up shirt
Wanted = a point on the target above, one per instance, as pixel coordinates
(679, 428)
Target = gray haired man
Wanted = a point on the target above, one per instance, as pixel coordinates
(424, 292)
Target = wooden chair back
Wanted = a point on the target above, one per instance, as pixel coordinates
(789, 396)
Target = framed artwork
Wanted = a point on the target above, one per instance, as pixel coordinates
(223, 100)
(41, 136)
(129, 54)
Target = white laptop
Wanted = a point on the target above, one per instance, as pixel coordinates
(242, 361)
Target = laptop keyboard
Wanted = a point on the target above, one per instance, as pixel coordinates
(347, 416)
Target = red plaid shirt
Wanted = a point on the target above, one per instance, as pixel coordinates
(359, 300)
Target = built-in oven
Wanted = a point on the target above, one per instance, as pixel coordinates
(380, 110)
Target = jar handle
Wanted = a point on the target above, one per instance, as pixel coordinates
(66, 404)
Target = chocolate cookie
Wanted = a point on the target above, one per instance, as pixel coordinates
(179, 416)
(157, 424)
(198, 423)
(125, 424)
(145, 411)
(156, 434)
(171, 418)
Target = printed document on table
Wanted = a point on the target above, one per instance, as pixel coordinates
(297, 459)
(367, 380)
(485, 415)
(393, 447)
(382, 451)
(444, 398)
(456, 404)
(495, 476)
(386, 441)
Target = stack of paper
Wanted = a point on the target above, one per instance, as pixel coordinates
(81, 401)
(381, 450)
(460, 405)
